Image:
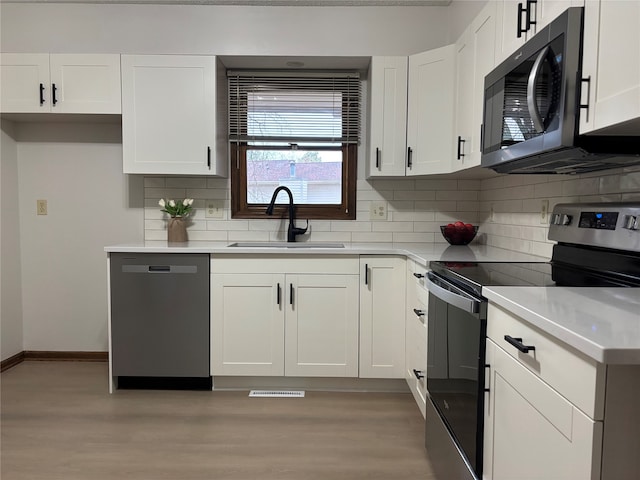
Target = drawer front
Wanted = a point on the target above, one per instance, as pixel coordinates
(572, 374)
(278, 263)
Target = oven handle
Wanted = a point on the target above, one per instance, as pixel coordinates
(451, 294)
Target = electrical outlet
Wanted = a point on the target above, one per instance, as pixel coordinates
(544, 211)
(41, 207)
(378, 211)
(492, 213)
(214, 208)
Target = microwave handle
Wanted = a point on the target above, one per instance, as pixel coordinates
(531, 91)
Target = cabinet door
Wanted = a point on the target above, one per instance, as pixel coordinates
(508, 20)
(431, 111)
(168, 114)
(247, 324)
(475, 59)
(85, 83)
(24, 82)
(611, 61)
(546, 11)
(321, 337)
(388, 116)
(531, 422)
(464, 98)
(382, 317)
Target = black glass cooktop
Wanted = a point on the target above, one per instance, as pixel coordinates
(472, 276)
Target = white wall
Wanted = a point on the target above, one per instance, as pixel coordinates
(77, 168)
(10, 271)
(222, 30)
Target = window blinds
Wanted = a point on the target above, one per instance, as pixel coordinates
(294, 107)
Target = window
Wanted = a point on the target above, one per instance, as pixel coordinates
(296, 129)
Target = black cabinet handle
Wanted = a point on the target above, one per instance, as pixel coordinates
(419, 375)
(278, 295)
(41, 94)
(520, 30)
(54, 89)
(460, 142)
(366, 274)
(209, 157)
(377, 157)
(586, 105)
(409, 155)
(418, 275)
(530, 22)
(291, 294)
(517, 342)
(419, 313)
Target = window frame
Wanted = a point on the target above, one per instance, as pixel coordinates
(240, 208)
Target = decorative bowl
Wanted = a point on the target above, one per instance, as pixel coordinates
(458, 236)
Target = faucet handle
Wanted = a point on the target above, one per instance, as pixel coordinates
(300, 231)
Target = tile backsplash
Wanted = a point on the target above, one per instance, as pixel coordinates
(415, 210)
(507, 208)
(510, 205)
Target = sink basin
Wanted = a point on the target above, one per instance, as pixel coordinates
(286, 245)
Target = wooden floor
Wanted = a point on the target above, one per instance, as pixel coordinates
(59, 422)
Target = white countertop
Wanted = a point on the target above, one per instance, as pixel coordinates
(423, 253)
(603, 323)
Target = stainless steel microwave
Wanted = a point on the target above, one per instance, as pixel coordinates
(532, 109)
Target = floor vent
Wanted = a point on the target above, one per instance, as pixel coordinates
(277, 393)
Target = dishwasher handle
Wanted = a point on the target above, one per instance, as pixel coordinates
(451, 294)
(159, 269)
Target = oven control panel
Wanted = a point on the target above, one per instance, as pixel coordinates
(606, 225)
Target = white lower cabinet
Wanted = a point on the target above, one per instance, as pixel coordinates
(382, 319)
(283, 316)
(554, 413)
(417, 310)
(536, 433)
(247, 331)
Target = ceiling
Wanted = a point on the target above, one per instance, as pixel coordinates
(266, 3)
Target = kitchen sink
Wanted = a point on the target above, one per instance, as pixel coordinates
(286, 245)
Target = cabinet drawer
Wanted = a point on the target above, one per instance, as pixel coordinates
(575, 376)
(299, 264)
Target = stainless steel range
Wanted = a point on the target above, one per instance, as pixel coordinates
(597, 245)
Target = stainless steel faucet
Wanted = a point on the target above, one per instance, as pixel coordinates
(292, 231)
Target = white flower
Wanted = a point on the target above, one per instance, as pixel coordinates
(185, 202)
(161, 203)
(191, 201)
(172, 203)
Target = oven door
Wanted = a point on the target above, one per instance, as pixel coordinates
(455, 379)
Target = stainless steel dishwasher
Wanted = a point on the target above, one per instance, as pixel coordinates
(159, 318)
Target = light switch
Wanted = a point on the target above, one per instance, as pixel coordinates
(41, 207)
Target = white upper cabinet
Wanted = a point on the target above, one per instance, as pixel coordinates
(387, 116)
(518, 21)
(431, 110)
(60, 83)
(411, 118)
(170, 124)
(475, 57)
(611, 65)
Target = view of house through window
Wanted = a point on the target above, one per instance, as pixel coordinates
(298, 132)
